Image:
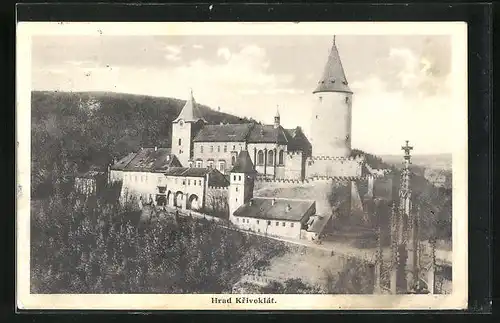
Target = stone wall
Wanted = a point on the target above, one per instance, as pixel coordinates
(332, 167)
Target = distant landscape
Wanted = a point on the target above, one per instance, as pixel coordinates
(435, 161)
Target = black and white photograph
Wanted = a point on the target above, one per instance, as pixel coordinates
(242, 166)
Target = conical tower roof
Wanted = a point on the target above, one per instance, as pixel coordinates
(190, 111)
(333, 79)
(243, 163)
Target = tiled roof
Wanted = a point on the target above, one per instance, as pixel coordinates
(224, 133)
(243, 163)
(263, 208)
(148, 160)
(333, 78)
(254, 133)
(318, 223)
(267, 134)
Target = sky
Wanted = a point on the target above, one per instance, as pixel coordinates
(401, 84)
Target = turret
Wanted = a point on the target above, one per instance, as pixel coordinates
(241, 181)
(277, 118)
(184, 128)
(332, 115)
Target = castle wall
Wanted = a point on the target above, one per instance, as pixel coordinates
(331, 124)
(295, 164)
(332, 167)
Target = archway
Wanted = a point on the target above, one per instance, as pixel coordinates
(178, 199)
(169, 198)
(193, 202)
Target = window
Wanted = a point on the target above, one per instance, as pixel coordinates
(234, 147)
(236, 188)
(199, 164)
(277, 223)
(239, 177)
(237, 220)
(201, 149)
(210, 164)
(270, 157)
(211, 149)
(222, 167)
(199, 182)
(225, 148)
(258, 230)
(281, 157)
(180, 151)
(346, 99)
(190, 164)
(234, 177)
(218, 149)
(180, 141)
(233, 160)
(260, 158)
(291, 224)
(284, 224)
(257, 221)
(320, 99)
(236, 199)
(136, 178)
(189, 182)
(268, 222)
(183, 182)
(146, 178)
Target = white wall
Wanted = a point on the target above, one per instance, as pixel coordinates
(331, 124)
(263, 226)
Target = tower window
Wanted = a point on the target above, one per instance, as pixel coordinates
(346, 99)
(316, 116)
(180, 141)
(236, 188)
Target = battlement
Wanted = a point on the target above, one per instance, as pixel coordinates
(359, 158)
(294, 153)
(311, 179)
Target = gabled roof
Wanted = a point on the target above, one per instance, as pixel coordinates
(243, 163)
(148, 160)
(281, 209)
(191, 111)
(333, 78)
(224, 133)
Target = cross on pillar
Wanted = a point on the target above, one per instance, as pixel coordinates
(407, 149)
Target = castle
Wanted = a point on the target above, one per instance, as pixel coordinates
(219, 166)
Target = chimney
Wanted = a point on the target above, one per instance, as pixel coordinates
(288, 208)
(273, 202)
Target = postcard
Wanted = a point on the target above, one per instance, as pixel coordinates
(241, 166)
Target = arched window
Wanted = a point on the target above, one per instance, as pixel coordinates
(233, 160)
(260, 158)
(270, 157)
(281, 160)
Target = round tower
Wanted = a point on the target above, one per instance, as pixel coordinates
(332, 113)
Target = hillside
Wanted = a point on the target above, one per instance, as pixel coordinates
(73, 130)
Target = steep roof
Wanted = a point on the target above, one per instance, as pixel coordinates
(191, 111)
(243, 163)
(148, 160)
(224, 133)
(215, 177)
(267, 134)
(333, 78)
(263, 208)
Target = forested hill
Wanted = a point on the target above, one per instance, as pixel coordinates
(73, 130)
